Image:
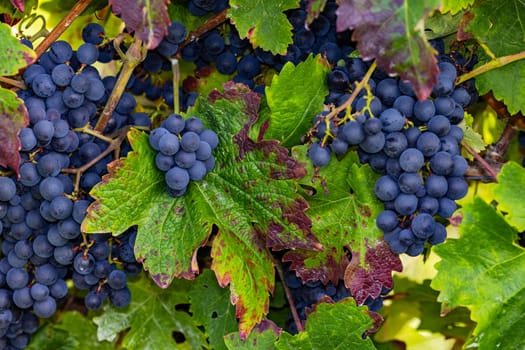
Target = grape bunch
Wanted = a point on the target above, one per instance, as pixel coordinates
(413, 144)
(307, 295)
(42, 209)
(184, 151)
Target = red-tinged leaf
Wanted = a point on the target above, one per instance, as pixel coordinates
(13, 117)
(245, 263)
(366, 277)
(18, 4)
(343, 211)
(263, 336)
(392, 32)
(314, 9)
(149, 19)
(250, 196)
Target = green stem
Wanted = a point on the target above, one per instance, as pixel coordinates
(176, 80)
(492, 64)
(132, 59)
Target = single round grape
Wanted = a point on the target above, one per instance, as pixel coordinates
(406, 204)
(457, 187)
(117, 279)
(424, 110)
(423, 225)
(428, 143)
(386, 188)
(392, 120)
(387, 220)
(197, 171)
(395, 144)
(428, 204)
(352, 132)
(320, 156)
(177, 178)
(190, 141)
(410, 182)
(45, 308)
(439, 125)
(169, 144)
(439, 235)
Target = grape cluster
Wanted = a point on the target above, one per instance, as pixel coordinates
(307, 295)
(184, 151)
(413, 144)
(42, 209)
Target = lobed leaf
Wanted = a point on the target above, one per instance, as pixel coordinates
(295, 96)
(343, 212)
(149, 19)
(455, 6)
(264, 23)
(499, 26)
(483, 270)
(331, 326)
(392, 32)
(13, 117)
(250, 196)
(151, 318)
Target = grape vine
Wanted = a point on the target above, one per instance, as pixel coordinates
(261, 174)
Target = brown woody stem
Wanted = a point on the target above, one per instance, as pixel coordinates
(62, 26)
(481, 161)
(289, 296)
(13, 82)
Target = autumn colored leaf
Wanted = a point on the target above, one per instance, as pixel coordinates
(392, 33)
(13, 117)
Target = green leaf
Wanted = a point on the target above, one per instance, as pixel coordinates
(263, 336)
(331, 326)
(314, 9)
(455, 6)
(13, 117)
(417, 300)
(343, 211)
(295, 96)
(178, 11)
(151, 318)
(264, 23)
(72, 331)
(509, 192)
(483, 270)
(210, 307)
(442, 24)
(13, 54)
(471, 136)
(149, 19)
(499, 26)
(393, 34)
(250, 195)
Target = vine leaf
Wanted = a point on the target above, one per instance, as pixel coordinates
(71, 330)
(499, 26)
(509, 195)
(392, 32)
(295, 96)
(263, 336)
(250, 196)
(417, 300)
(151, 318)
(149, 19)
(13, 117)
(211, 308)
(314, 9)
(455, 6)
(332, 326)
(343, 212)
(13, 54)
(471, 136)
(264, 23)
(486, 257)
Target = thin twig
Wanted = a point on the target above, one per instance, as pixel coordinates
(62, 26)
(492, 64)
(289, 296)
(115, 144)
(482, 161)
(13, 82)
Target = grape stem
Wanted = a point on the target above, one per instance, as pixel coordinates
(289, 296)
(13, 82)
(481, 161)
(176, 80)
(113, 146)
(75, 11)
(492, 64)
(131, 59)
